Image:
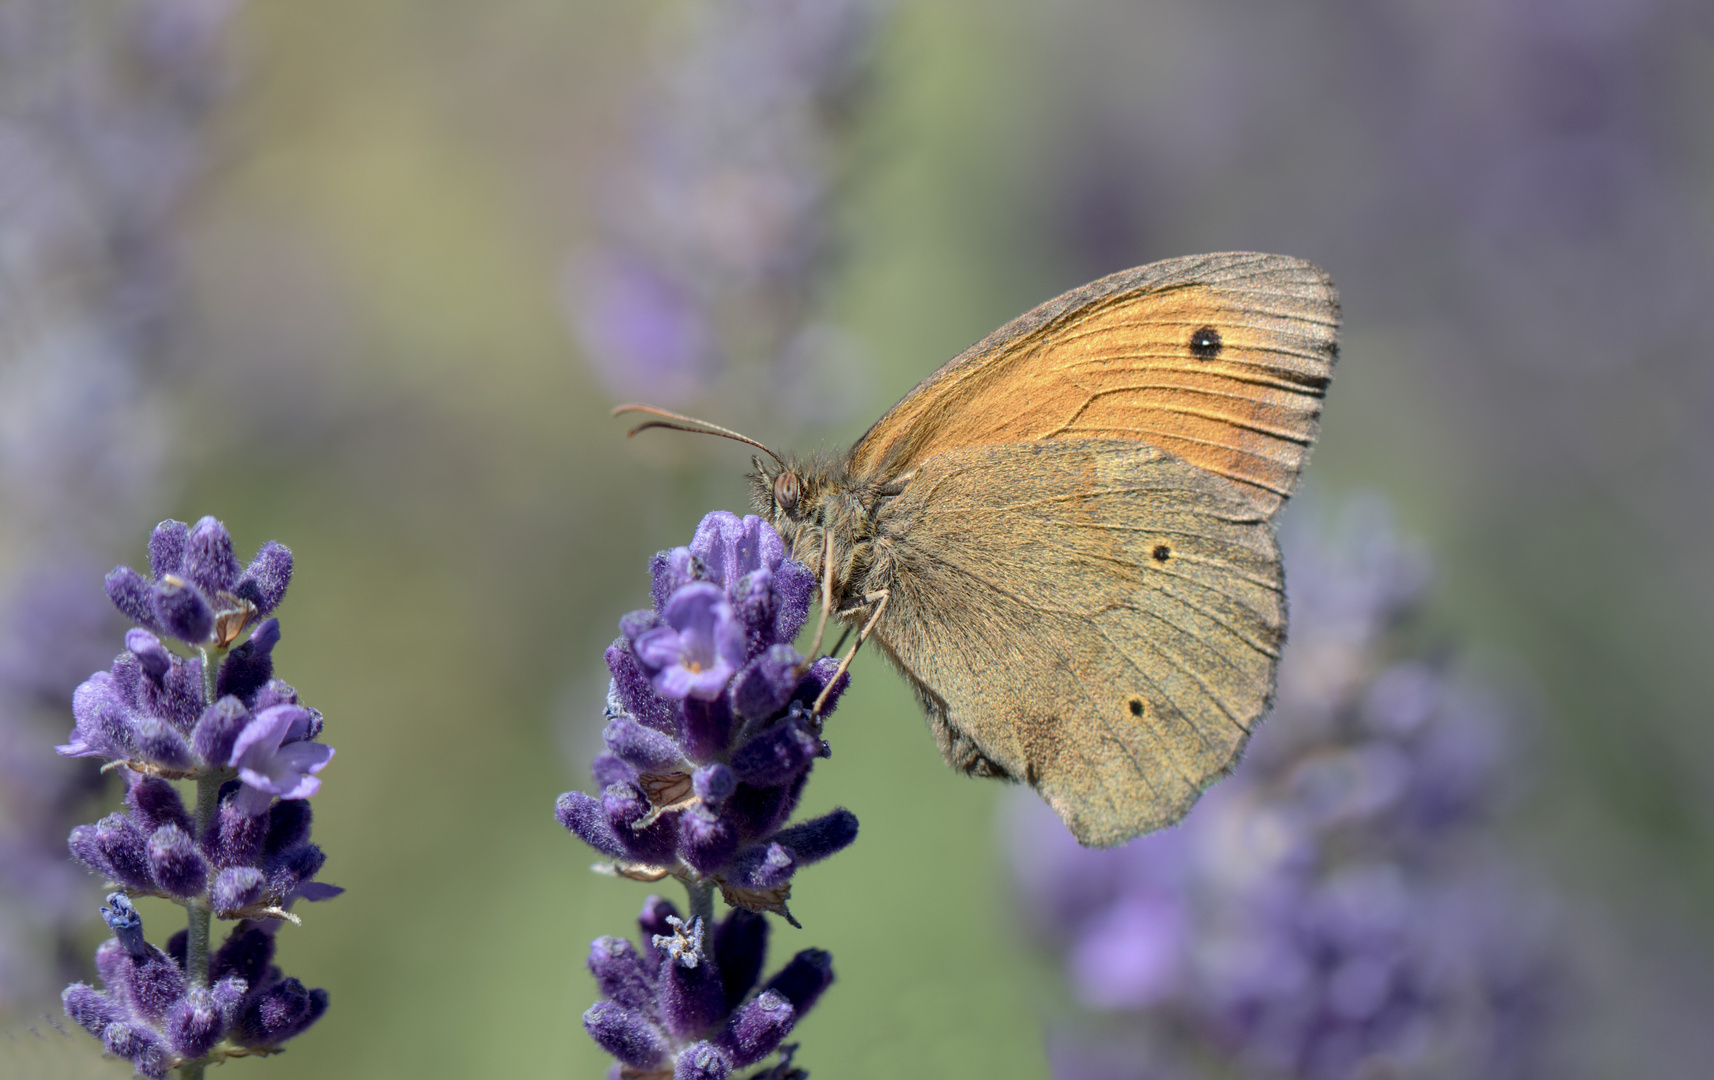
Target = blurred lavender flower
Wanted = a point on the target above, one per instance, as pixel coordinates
(717, 231)
(217, 717)
(710, 741)
(684, 1007)
(1332, 910)
(102, 109)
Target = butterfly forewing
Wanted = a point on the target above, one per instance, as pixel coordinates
(1221, 360)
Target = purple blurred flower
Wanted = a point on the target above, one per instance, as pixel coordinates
(717, 227)
(1330, 910)
(100, 141)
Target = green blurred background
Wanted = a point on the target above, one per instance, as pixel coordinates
(378, 375)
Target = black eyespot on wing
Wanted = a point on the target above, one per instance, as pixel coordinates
(1162, 553)
(1205, 343)
(1136, 705)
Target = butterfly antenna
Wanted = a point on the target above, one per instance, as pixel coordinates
(675, 422)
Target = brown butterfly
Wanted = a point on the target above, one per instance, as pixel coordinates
(1064, 537)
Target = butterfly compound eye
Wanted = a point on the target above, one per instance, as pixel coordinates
(787, 491)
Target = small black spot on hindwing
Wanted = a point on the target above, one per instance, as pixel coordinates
(1162, 553)
(1205, 343)
(1136, 705)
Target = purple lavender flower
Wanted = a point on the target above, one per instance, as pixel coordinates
(688, 1004)
(710, 740)
(709, 733)
(220, 719)
(716, 227)
(1329, 911)
(101, 131)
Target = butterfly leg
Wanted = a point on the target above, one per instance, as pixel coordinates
(879, 599)
(826, 593)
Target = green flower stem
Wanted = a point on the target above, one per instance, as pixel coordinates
(702, 904)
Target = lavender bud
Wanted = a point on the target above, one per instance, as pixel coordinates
(763, 867)
(167, 548)
(706, 840)
(740, 946)
(714, 783)
(275, 693)
(265, 579)
(86, 849)
(209, 563)
(196, 1024)
(624, 806)
(644, 749)
(248, 668)
(124, 850)
(584, 817)
(620, 973)
(288, 825)
(692, 999)
(280, 1012)
(217, 730)
(132, 595)
(758, 1028)
(154, 803)
(804, 979)
(766, 683)
(820, 837)
(626, 1034)
(237, 888)
(175, 862)
(794, 587)
(701, 1061)
(159, 743)
(183, 610)
(90, 1009)
(245, 954)
(778, 755)
(608, 769)
(671, 571)
(634, 694)
(235, 836)
(150, 653)
(136, 1045)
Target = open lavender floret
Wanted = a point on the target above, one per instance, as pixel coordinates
(682, 1007)
(710, 738)
(251, 748)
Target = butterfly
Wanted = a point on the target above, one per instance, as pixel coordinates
(1064, 538)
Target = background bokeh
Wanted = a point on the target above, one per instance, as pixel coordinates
(370, 361)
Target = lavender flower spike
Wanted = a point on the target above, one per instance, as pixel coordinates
(710, 740)
(252, 749)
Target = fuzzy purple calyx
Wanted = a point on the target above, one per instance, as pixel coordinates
(758, 1027)
(583, 816)
(804, 979)
(265, 580)
(133, 596)
(620, 973)
(702, 1061)
(182, 610)
(278, 1013)
(643, 748)
(627, 1034)
(123, 852)
(90, 1009)
(236, 889)
(691, 998)
(167, 547)
(150, 653)
(138, 1046)
(247, 668)
(272, 757)
(767, 683)
(209, 561)
(730, 547)
(699, 649)
(780, 754)
(218, 728)
(175, 863)
(155, 802)
(740, 947)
